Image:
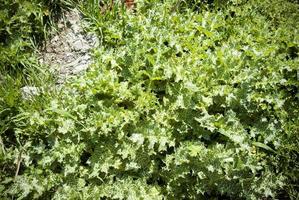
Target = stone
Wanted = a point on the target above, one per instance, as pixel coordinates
(28, 92)
(80, 68)
(69, 49)
(80, 45)
(61, 25)
(76, 28)
(77, 45)
(55, 38)
(85, 47)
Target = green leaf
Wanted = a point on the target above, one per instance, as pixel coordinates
(263, 146)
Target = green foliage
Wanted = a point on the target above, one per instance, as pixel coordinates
(23, 24)
(179, 104)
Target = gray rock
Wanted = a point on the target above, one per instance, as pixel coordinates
(85, 58)
(29, 91)
(69, 49)
(85, 47)
(77, 45)
(60, 25)
(55, 39)
(80, 45)
(76, 28)
(80, 68)
(70, 38)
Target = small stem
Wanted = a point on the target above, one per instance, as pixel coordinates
(2, 145)
(18, 165)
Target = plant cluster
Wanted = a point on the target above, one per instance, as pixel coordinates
(179, 104)
(23, 24)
